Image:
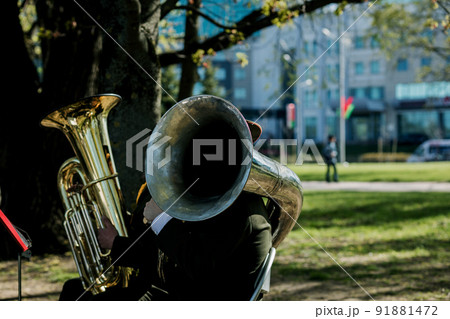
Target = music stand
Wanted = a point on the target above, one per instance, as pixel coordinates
(23, 243)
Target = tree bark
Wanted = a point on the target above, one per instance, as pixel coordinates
(189, 75)
(28, 199)
(130, 67)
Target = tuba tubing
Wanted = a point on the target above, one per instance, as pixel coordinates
(89, 188)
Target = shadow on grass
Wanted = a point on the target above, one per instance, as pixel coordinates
(381, 279)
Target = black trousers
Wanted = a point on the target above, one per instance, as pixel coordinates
(335, 175)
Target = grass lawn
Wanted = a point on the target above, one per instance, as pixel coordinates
(395, 245)
(377, 172)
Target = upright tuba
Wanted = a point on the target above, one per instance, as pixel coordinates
(89, 188)
(190, 189)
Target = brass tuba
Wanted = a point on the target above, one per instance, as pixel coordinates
(89, 188)
(189, 191)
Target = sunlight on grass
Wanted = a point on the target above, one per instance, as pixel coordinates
(378, 172)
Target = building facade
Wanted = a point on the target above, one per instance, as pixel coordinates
(307, 63)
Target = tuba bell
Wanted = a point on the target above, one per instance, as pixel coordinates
(89, 188)
(194, 187)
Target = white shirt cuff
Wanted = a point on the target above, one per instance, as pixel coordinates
(159, 222)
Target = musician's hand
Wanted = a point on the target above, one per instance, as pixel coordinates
(151, 211)
(107, 234)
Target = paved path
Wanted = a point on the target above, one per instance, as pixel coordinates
(379, 186)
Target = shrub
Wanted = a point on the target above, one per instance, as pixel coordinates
(384, 157)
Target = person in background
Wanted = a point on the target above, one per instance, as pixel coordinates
(330, 156)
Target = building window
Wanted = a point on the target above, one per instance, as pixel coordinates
(329, 44)
(374, 43)
(331, 125)
(310, 99)
(306, 98)
(314, 97)
(306, 47)
(333, 72)
(359, 42)
(402, 64)
(240, 93)
(446, 124)
(425, 61)
(375, 67)
(239, 74)
(329, 72)
(314, 48)
(311, 127)
(358, 92)
(359, 68)
(221, 74)
(419, 122)
(337, 71)
(313, 73)
(360, 129)
(376, 93)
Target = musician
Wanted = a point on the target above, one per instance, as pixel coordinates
(214, 259)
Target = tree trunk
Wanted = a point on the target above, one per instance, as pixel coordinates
(189, 75)
(79, 59)
(27, 198)
(129, 67)
(103, 48)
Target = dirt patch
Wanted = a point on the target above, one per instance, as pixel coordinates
(42, 277)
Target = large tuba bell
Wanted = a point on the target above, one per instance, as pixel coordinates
(193, 186)
(89, 188)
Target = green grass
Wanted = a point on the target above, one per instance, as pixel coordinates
(377, 172)
(396, 245)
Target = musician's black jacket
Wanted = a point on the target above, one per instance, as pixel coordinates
(215, 259)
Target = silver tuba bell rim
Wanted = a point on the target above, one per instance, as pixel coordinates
(183, 116)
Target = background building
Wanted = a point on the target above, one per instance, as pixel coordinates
(389, 102)
(307, 62)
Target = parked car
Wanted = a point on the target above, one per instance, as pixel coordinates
(431, 150)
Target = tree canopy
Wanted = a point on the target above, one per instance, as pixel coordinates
(419, 25)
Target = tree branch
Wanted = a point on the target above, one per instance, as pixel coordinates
(166, 7)
(251, 23)
(206, 17)
(442, 6)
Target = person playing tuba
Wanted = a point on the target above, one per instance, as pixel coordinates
(206, 230)
(213, 259)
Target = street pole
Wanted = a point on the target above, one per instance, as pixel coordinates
(299, 114)
(342, 96)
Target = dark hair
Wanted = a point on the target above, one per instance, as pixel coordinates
(330, 137)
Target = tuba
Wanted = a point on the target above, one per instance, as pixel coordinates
(89, 188)
(192, 186)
